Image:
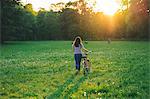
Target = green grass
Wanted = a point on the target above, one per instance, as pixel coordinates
(46, 70)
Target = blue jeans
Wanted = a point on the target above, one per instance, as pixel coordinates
(78, 60)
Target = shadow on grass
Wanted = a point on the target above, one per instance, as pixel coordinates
(75, 87)
(79, 82)
(59, 91)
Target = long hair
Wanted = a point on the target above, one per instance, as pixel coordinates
(77, 41)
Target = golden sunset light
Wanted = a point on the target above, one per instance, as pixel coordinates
(108, 7)
(78, 49)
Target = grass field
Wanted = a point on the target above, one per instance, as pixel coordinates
(46, 70)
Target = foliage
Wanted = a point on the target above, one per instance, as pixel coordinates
(74, 18)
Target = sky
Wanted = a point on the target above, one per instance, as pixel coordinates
(43, 3)
(107, 6)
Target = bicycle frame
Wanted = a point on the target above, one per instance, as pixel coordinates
(86, 64)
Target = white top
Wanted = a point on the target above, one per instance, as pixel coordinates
(77, 50)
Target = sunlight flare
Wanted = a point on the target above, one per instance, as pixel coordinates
(108, 7)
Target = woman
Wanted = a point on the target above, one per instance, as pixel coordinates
(77, 47)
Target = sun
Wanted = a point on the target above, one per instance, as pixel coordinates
(108, 7)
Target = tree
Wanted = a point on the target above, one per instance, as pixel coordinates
(29, 8)
(10, 14)
(74, 18)
(52, 22)
(138, 19)
(69, 23)
(40, 24)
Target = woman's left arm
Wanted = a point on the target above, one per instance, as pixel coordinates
(84, 48)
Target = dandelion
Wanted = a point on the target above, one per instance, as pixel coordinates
(99, 93)
(84, 93)
(66, 62)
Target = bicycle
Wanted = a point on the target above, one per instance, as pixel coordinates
(86, 63)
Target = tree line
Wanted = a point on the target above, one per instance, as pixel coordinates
(19, 22)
